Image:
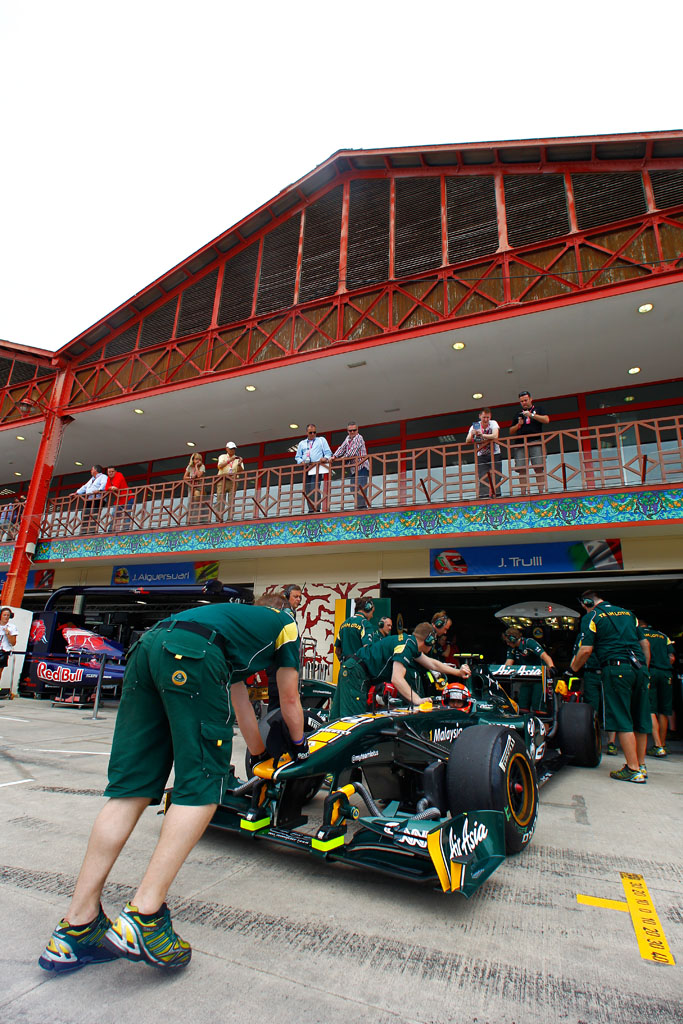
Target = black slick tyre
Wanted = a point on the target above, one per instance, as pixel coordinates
(578, 734)
(489, 769)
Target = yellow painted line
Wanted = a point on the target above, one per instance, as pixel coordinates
(646, 924)
(597, 901)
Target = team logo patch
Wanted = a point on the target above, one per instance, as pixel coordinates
(179, 678)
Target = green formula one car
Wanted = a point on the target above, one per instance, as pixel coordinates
(438, 794)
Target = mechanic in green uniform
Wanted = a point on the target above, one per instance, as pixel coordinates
(527, 651)
(384, 627)
(612, 633)
(662, 658)
(183, 679)
(355, 630)
(391, 659)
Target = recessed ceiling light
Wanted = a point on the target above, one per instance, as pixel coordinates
(634, 369)
(20, 437)
(190, 444)
(140, 412)
(630, 398)
(459, 346)
(477, 394)
(78, 463)
(250, 387)
(396, 408)
(17, 474)
(352, 366)
(293, 426)
(646, 307)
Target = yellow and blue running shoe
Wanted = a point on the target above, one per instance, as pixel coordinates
(148, 937)
(71, 948)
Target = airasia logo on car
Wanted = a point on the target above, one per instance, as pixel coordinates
(61, 674)
(468, 841)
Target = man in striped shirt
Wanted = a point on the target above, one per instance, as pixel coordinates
(353, 448)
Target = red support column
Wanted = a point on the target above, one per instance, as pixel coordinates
(29, 526)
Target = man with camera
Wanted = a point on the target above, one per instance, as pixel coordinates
(528, 449)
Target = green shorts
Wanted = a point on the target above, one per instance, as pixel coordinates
(592, 690)
(627, 706)
(661, 691)
(531, 696)
(351, 697)
(175, 711)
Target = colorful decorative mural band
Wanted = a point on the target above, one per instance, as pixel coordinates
(582, 510)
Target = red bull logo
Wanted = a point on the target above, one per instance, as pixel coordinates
(60, 674)
(38, 632)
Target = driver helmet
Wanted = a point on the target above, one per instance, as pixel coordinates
(456, 695)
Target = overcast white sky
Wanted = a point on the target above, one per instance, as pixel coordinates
(135, 132)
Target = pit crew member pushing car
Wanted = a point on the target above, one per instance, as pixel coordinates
(388, 660)
(612, 632)
(176, 711)
(526, 651)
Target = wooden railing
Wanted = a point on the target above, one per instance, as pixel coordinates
(631, 455)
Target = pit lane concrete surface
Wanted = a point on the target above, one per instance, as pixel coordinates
(279, 937)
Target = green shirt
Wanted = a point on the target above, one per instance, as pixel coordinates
(660, 647)
(612, 632)
(379, 657)
(254, 636)
(352, 634)
(528, 653)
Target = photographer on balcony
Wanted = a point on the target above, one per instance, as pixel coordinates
(529, 449)
(484, 433)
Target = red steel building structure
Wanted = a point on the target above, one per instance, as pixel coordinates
(371, 248)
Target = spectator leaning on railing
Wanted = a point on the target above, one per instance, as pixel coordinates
(314, 453)
(484, 432)
(353, 448)
(10, 516)
(92, 493)
(230, 465)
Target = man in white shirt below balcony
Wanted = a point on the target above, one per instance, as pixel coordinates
(92, 493)
(353, 449)
(314, 453)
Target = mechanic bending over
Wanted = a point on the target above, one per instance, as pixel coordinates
(526, 651)
(356, 630)
(175, 711)
(387, 660)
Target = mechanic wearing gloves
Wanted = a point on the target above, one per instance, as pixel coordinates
(525, 651)
(387, 660)
(612, 633)
(175, 711)
(356, 630)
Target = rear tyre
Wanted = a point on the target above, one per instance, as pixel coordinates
(578, 734)
(489, 769)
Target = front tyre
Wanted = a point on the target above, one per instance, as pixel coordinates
(578, 734)
(489, 769)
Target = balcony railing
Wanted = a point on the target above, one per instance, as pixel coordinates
(600, 458)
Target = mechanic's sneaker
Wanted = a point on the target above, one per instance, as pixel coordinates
(656, 751)
(643, 770)
(627, 774)
(71, 948)
(148, 937)
(612, 749)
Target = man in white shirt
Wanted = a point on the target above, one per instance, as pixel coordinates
(8, 640)
(92, 493)
(313, 453)
(484, 432)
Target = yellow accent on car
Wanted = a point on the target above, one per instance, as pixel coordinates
(327, 844)
(254, 826)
